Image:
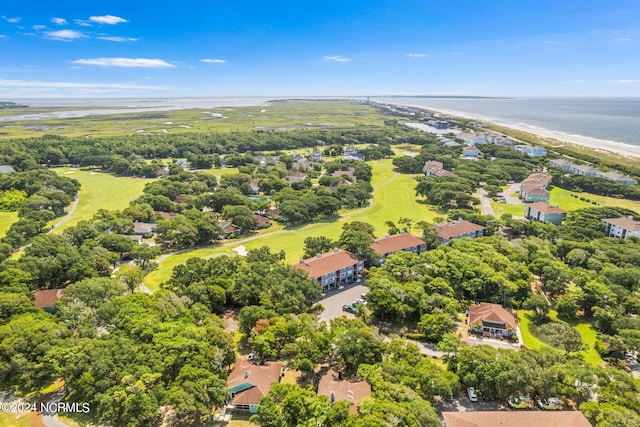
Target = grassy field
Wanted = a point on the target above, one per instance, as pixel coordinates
(99, 191)
(8, 419)
(277, 115)
(394, 197)
(6, 219)
(562, 198)
(503, 208)
(587, 333)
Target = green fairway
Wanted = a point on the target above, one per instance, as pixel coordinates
(589, 337)
(531, 341)
(394, 197)
(277, 115)
(6, 219)
(99, 191)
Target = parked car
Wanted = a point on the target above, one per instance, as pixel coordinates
(521, 402)
(349, 308)
(551, 404)
(361, 301)
(472, 394)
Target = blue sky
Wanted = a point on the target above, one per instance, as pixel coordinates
(307, 47)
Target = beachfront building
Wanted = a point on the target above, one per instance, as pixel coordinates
(472, 138)
(458, 229)
(389, 245)
(333, 269)
(531, 150)
(471, 152)
(587, 170)
(544, 212)
(351, 153)
(622, 227)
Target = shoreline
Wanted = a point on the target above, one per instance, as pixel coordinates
(550, 137)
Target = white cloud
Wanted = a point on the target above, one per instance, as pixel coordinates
(416, 55)
(39, 27)
(125, 62)
(335, 58)
(65, 35)
(59, 21)
(622, 40)
(82, 23)
(213, 61)
(2, 36)
(626, 81)
(73, 85)
(118, 39)
(578, 81)
(11, 20)
(107, 19)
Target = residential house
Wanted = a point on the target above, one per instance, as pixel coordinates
(333, 269)
(515, 418)
(145, 229)
(274, 212)
(183, 163)
(166, 215)
(389, 245)
(228, 229)
(531, 150)
(351, 153)
(263, 221)
(544, 212)
(349, 174)
(136, 238)
(254, 187)
(262, 161)
(472, 138)
(6, 169)
(622, 227)
(458, 229)
(562, 164)
(492, 319)
(439, 124)
(248, 383)
(434, 168)
(297, 157)
(335, 389)
(46, 298)
(295, 177)
(471, 152)
(316, 156)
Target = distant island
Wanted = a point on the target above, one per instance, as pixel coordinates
(4, 104)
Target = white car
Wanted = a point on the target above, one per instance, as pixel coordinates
(472, 394)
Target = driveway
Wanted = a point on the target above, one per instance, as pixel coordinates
(463, 404)
(507, 194)
(493, 343)
(336, 298)
(486, 202)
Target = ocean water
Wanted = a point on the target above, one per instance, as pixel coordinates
(605, 119)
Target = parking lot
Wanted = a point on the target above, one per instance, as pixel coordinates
(336, 298)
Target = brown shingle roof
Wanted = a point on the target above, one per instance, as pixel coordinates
(395, 243)
(327, 263)
(260, 378)
(545, 207)
(624, 222)
(539, 179)
(45, 298)
(515, 418)
(350, 391)
(530, 189)
(457, 228)
(493, 313)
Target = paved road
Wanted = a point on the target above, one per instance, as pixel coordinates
(486, 203)
(52, 421)
(335, 299)
(512, 200)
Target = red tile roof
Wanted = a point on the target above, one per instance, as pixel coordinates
(624, 222)
(397, 242)
(538, 179)
(515, 418)
(45, 298)
(493, 313)
(545, 207)
(457, 228)
(533, 189)
(260, 377)
(350, 391)
(326, 263)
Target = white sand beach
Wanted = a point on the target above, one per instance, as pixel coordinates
(600, 145)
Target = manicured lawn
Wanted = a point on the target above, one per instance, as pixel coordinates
(562, 198)
(588, 334)
(503, 208)
(394, 197)
(6, 219)
(99, 191)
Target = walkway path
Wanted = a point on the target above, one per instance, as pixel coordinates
(65, 218)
